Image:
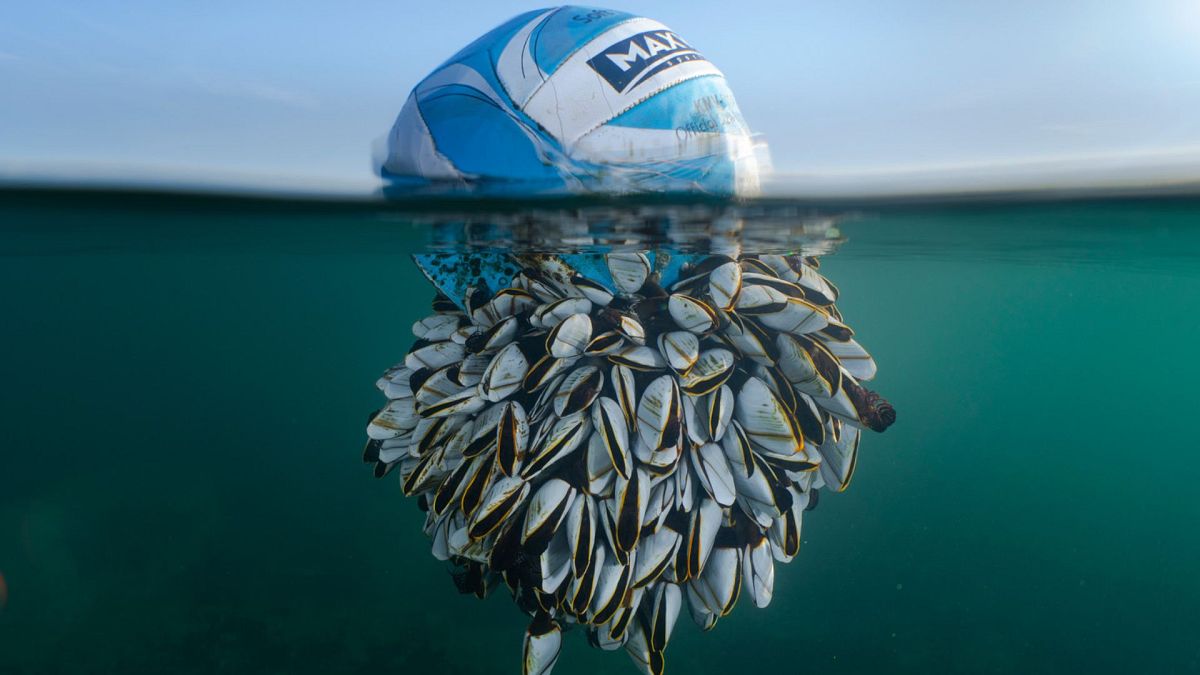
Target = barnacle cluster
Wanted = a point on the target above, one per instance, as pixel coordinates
(605, 444)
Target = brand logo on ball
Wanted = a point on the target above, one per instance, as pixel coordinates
(628, 63)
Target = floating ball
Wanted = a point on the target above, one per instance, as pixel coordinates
(574, 99)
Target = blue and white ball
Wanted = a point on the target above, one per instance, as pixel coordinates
(575, 99)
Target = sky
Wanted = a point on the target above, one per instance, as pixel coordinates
(296, 93)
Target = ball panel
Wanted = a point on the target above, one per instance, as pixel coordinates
(411, 148)
(482, 138)
(519, 73)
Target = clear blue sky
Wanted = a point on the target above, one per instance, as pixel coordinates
(299, 90)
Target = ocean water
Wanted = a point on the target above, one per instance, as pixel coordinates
(186, 382)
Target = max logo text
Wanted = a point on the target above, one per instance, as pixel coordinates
(629, 62)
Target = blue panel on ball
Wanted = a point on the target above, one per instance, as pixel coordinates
(569, 28)
(462, 120)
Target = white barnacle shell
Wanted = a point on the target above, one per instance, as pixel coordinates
(692, 314)
(505, 374)
(570, 337)
(680, 349)
(629, 271)
(543, 640)
(725, 284)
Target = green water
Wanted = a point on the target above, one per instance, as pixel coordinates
(185, 387)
